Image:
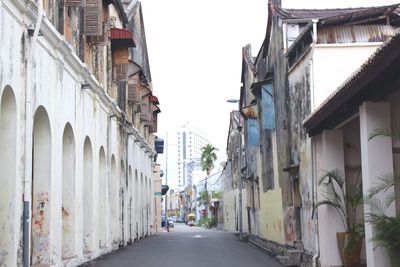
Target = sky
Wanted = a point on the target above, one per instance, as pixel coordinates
(195, 52)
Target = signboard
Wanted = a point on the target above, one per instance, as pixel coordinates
(157, 193)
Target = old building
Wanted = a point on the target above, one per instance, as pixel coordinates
(303, 59)
(231, 177)
(77, 117)
(341, 130)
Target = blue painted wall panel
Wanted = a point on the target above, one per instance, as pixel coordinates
(268, 108)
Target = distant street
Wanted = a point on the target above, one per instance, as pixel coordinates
(186, 246)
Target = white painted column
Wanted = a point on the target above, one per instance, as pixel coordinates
(331, 157)
(376, 160)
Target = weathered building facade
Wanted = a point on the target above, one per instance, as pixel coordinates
(231, 177)
(77, 118)
(303, 59)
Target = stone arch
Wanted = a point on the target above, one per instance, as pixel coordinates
(68, 192)
(136, 203)
(41, 188)
(102, 197)
(8, 167)
(113, 185)
(122, 204)
(141, 192)
(146, 206)
(87, 204)
(130, 198)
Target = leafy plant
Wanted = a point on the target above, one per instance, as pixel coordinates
(346, 204)
(204, 197)
(216, 194)
(386, 228)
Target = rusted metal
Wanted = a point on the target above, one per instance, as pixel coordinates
(355, 34)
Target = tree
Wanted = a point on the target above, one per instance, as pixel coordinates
(208, 157)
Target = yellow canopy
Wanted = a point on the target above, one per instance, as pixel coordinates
(191, 215)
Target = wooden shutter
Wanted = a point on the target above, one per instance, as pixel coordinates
(92, 18)
(73, 2)
(131, 91)
(144, 110)
(121, 72)
(100, 39)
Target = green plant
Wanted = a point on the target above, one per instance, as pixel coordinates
(204, 197)
(216, 194)
(346, 204)
(386, 228)
(207, 222)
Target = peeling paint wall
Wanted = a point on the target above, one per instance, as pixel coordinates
(58, 212)
(299, 216)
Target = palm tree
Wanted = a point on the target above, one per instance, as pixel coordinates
(208, 157)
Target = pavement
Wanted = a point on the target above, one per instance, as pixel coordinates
(186, 246)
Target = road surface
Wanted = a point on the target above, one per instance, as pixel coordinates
(186, 246)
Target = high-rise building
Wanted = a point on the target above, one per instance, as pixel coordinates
(189, 142)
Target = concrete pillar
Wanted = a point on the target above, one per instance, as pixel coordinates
(331, 157)
(376, 160)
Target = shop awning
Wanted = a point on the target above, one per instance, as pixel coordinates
(122, 37)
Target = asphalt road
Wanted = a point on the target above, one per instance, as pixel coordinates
(186, 246)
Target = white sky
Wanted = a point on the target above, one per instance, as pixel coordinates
(195, 51)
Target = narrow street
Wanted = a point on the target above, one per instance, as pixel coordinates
(186, 246)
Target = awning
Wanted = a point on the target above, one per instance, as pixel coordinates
(122, 37)
(191, 215)
(250, 112)
(154, 100)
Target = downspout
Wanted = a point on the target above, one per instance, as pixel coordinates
(315, 258)
(28, 140)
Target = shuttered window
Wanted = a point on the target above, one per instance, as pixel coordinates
(92, 18)
(73, 2)
(133, 92)
(121, 72)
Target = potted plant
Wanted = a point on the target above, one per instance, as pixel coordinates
(386, 228)
(334, 194)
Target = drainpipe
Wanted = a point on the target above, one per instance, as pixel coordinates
(314, 37)
(28, 139)
(315, 258)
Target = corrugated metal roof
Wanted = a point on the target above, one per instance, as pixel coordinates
(316, 13)
(355, 34)
(122, 36)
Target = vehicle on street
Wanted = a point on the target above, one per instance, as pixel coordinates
(170, 223)
(191, 223)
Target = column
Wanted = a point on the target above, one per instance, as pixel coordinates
(376, 160)
(330, 156)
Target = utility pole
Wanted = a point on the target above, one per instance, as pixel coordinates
(239, 128)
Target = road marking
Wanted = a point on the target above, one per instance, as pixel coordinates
(197, 236)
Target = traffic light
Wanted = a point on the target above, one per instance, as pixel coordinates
(164, 189)
(159, 145)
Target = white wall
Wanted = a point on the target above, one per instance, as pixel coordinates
(55, 85)
(333, 64)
